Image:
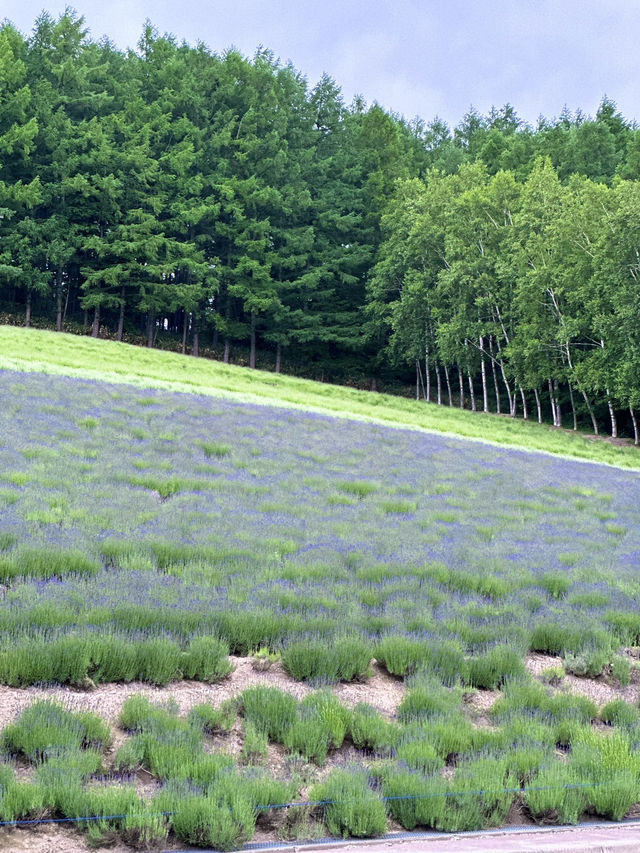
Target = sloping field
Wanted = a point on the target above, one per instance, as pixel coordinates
(70, 355)
(146, 534)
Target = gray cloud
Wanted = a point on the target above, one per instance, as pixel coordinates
(417, 57)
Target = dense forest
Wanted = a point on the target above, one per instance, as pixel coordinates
(214, 202)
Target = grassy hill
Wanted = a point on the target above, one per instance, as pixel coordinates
(54, 353)
(156, 537)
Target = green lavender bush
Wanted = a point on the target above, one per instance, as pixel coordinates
(46, 726)
(354, 809)
(270, 710)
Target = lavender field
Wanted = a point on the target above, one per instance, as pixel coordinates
(146, 535)
(154, 514)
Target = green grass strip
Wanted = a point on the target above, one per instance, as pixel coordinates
(34, 350)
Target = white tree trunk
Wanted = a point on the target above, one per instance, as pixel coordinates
(495, 375)
(525, 413)
(471, 393)
(557, 401)
(446, 376)
(185, 329)
(636, 440)
(573, 409)
(510, 396)
(537, 396)
(427, 374)
(483, 370)
(552, 401)
(612, 415)
(439, 384)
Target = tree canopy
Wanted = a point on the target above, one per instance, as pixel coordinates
(222, 200)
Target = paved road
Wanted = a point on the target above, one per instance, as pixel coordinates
(584, 839)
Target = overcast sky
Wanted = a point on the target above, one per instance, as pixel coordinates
(416, 57)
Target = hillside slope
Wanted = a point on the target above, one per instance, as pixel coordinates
(62, 354)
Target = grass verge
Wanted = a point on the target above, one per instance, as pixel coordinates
(34, 350)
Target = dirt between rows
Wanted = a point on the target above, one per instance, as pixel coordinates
(383, 691)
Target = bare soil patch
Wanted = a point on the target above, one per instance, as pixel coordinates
(600, 690)
(382, 691)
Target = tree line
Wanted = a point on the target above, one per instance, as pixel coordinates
(222, 200)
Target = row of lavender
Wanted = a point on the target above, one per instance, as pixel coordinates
(428, 767)
(160, 518)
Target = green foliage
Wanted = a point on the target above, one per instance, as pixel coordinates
(168, 747)
(143, 828)
(398, 507)
(17, 799)
(553, 638)
(7, 540)
(450, 736)
(254, 744)
(520, 696)
(358, 488)
(88, 658)
(619, 713)
(45, 563)
(426, 698)
(138, 714)
(609, 767)
(481, 794)
(553, 675)
(625, 626)
(165, 488)
(401, 655)
(417, 753)
(557, 584)
(264, 659)
(612, 798)
(207, 660)
(214, 448)
(308, 737)
(427, 809)
(344, 659)
(46, 726)
(368, 730)
(526, 760)
(245, 635)
(212, 721)
(271, 710)
(588, 662)
(330, 714)
(621, 670)
(490, 670)
(221, 819)
(158, 660)
(557, 795)
(355, 809)
(530, 698)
